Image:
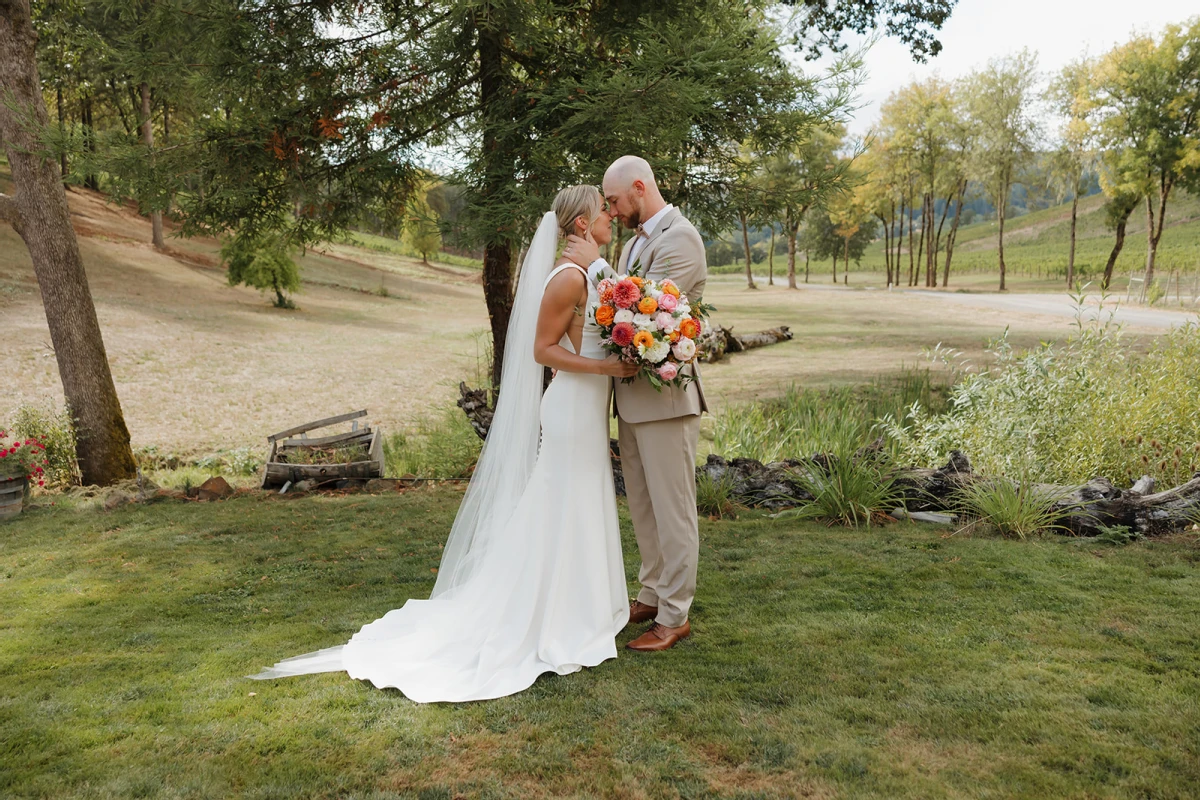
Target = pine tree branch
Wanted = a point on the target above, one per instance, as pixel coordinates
(10, 213)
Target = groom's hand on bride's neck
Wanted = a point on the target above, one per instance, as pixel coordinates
(581, 251)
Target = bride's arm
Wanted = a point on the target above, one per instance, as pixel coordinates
(566, 291)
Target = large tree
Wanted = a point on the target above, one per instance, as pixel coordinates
(1073, 159)
(319, 109)
(1000, 102)
(1146, 97)
(38, 212)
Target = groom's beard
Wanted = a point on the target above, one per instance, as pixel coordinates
(633, 220)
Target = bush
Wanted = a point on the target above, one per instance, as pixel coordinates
(714, 496)
(264, 263)
(1066, 413)
(56, 432)
(801, 422)
(849, 485)
(1017, 509)
(441, 447)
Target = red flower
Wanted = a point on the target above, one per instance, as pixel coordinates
(41, 483)
(622, 333)
(626, 294)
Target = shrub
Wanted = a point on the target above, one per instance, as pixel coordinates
(262, 262)
(55, 430)
(1066, 413)
(798, 423)
(442, 447)
(1017, 509)
(849, 485)
(714, 496)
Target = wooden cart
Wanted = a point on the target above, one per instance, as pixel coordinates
(281, 468)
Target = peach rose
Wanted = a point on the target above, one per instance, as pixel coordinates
(604, 315)
(648, 305)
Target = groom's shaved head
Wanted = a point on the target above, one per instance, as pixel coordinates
(632, 191)
(627, 169)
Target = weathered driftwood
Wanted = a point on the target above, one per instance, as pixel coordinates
(721, 340)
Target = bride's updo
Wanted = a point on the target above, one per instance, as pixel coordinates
(573, 202)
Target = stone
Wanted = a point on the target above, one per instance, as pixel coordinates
(380, 485)
(116, 498)
(304, 486)
(215, 488)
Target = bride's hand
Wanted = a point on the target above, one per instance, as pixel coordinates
(615, 367)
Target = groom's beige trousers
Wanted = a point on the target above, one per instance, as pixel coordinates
(658, 462)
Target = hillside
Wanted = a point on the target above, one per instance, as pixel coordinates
(1036, 244)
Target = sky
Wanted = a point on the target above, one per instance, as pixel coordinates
(1058, 30)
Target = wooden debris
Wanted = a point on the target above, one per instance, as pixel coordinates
(321, 459)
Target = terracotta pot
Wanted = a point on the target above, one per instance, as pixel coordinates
(12, 496)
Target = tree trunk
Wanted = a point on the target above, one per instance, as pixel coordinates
(38, 212)
(899, 241)
(937, 242)
(912, 266)
(930, 268)
(771, 259)
(746, 248)
(1116, 251)
(1071, 252)
(89, 142)
(497, 252)
(806, 265)
(62, 132)
(156, 224)
(791, 237)
(1153, 231)
(887, 247)
(1000, 210)
(953, 234)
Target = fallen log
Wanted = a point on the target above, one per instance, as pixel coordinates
(721, 340)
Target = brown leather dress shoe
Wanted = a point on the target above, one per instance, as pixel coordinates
(640, 612)
(660, 637)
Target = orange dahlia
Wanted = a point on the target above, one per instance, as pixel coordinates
(689, 328)
(675, 336)
(606, 294)
(604, 315)
(643, 339)
(670, 289)
(639, 282)
(648, 305)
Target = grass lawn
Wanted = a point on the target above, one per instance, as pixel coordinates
(884, 663)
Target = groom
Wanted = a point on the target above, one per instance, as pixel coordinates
(658, 431)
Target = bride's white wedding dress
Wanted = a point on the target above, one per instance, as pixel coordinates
(539, 585)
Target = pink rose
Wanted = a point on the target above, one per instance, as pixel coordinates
(622, 333)
(667, 302)
(668, 371)
(664, 321)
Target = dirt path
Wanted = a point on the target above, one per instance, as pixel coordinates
(1060, 305)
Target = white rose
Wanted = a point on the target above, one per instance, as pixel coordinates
(623, 315)
(684, 349)
(643, 322)
(658, 351)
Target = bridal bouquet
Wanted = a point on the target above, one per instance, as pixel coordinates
(651, 324)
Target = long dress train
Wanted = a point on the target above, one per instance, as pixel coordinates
(548, 593)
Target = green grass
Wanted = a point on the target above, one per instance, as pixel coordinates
(831, 663)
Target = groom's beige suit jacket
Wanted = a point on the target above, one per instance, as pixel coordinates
(674, 250)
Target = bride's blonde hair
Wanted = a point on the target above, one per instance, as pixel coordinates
(574, 202)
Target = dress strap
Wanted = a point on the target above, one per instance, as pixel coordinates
(557, 270)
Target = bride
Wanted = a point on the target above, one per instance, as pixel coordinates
(531, 579)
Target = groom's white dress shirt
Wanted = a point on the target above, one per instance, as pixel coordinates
(600, 269)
